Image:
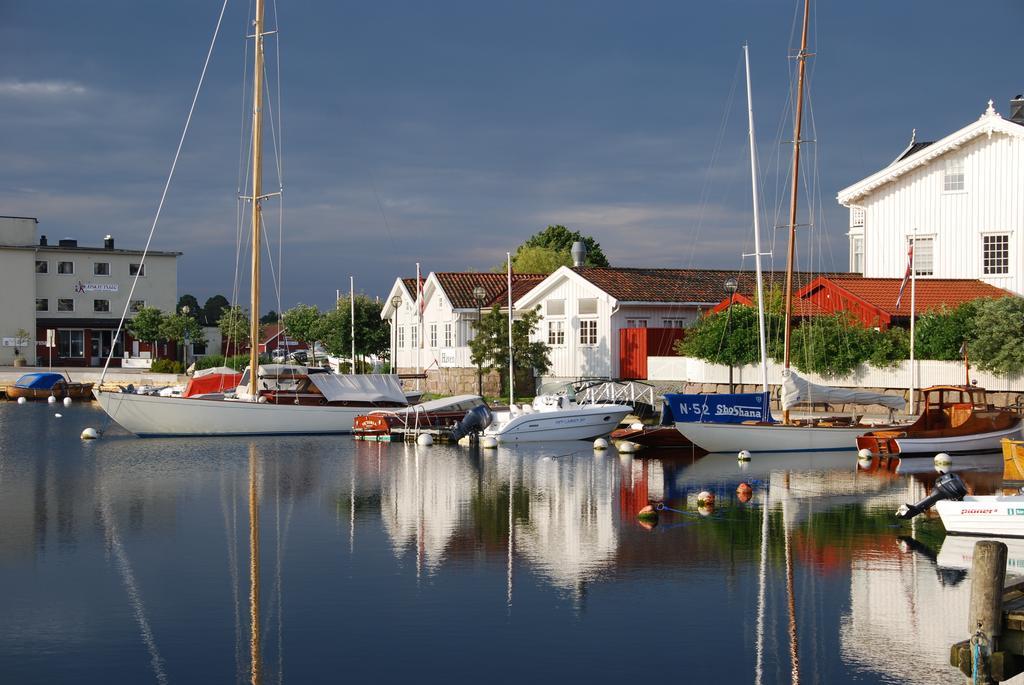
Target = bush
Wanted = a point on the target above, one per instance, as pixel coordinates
(708, 340)
(832, 345)
(166, 366)
(209, 361)
(939, 334)
(995, 343)
(889, 348)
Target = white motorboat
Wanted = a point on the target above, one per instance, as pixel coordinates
(958, 552)
(963, 514)
(556, 417)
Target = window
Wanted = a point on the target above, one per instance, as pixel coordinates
(42, 304)
(70, 344)
(588, 331)
(924, 250)
(401, 337)
(433, 336)
(856, 217)
(675, 323)
(636, 323)
(137, 270)
(414, 336)
(65, 304)
(857, 254)
(556, 307)
(101, 269)
(101, 305)
(42, 266)
(556, 332)
(448, 335)
(953, 178)
(588, 305)
(65, 267)
(137, 305)
(995, 254)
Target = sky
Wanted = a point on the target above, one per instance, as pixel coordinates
(448, 132)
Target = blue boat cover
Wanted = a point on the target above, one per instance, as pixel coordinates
(39, 381)
(721, 408)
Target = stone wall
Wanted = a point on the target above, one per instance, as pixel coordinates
(463, 381)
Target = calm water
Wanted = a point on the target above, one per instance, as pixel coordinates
(127, 560)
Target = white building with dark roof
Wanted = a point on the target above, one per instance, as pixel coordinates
(958, 198)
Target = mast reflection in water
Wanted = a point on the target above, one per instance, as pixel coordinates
(391, 562)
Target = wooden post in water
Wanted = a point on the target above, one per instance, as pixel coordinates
(985, 619)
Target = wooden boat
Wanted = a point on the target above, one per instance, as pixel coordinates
(39, 386)
(651, 437)
(433, 415)
(1013, 460)
(957, 419)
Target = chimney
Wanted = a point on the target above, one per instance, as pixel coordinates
(108, 243)
(579, 253)
(42, 241)
(67, 242)
(1017, 110)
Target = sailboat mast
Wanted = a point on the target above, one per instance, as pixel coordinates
(797, 126)
(757, 227)
(257, 189)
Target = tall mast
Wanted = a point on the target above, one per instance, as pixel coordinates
(797, 126)
(257, 189)
(757, 227)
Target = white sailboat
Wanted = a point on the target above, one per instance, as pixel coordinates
(328, 403)
(788, 436)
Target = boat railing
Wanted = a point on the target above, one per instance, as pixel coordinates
(617, 392)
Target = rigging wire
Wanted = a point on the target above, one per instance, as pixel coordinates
(167, 185)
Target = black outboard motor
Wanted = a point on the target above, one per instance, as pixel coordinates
(947, 486)
(475, 421)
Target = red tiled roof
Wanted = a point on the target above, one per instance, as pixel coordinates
(269, 332)
(932, 293)
(459, 285)
(801, 308)
(683, 285)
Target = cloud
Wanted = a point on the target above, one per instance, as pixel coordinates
(41, 89)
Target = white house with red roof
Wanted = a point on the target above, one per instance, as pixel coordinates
(958, 198)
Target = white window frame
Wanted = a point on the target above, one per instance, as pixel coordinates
(433, 336)
(414, 336)
(448, 334)
(857, 217)
(588, 332)
(857, 253)
(674, 323)
(97, 265)
(65, 299)
(548, 303)
(137, 306)
(930, 239)
(45, 264)
(984, 258)
(556, 332)
(401, 337)
(140, 268)
(953, 176)
(66, 273)
(637, 322)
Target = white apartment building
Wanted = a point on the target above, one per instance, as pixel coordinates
(77, 291)
(958, 199)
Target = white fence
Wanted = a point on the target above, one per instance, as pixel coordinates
(929, 372)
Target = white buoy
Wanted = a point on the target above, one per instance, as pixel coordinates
(22, 400)
(57, 416)
(51, 399)
(464, 441)
(943, 461)
(90, 434)
(67, 401)
(864, 453)
(627, 447)
(864, 463)
(424, 440)
(488, 442)
(600, 444)
(744, 455)
(637, 426)
(262, 399)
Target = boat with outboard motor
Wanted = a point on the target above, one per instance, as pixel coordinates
(454, 416)
(555, 415)
(964, 514)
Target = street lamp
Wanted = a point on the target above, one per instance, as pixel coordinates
(480, 295)
(730, 286)
(184, 344)
(396, 302)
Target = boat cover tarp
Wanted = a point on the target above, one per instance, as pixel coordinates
(796, 390)
(368, 387)
(735, 407)
(39, 381)
(211, 383)
(222, 370)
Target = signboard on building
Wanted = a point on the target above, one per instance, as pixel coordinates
(448, 359)
(16, 342)
(96, 287)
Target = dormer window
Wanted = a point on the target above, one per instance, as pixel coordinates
(953, 178)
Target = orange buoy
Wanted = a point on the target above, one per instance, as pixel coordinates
(648, 514)
(744, 492)
(705, 499)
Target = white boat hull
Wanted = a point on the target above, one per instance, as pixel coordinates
(149, 415)
(977, 442)
(584, 422)
(733, 437)
(957, 552)
(984, 515)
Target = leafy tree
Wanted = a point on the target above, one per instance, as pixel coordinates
(146, 324)
(998, 330)
(270, 317)
(179, 327)
(560, 239)
(214, 307)
(303, 322)
(940, 334)
(194, 310)
(889, 347)
(373, 335)
(233, 323)
(708, 338)
(832, 345)
(539, 260)
(489, 347)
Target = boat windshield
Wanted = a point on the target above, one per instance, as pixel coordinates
(558, 388)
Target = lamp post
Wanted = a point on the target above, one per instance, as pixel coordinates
(730, 286)
(396, 302)
(480, 295)
(184, 344)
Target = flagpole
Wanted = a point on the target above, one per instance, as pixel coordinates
(511, 375)
(913, 315)
(352, 311)
(419, 323)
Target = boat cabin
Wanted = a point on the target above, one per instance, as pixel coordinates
(951, 406)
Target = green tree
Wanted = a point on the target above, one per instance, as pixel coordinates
(214, 307)
(889, 347)
(303, 324)
(146, 324)
(708, 338)
(181, 327)
(995, 344)
(194, 310)
(941, 333)
(489, 347)
(539, 260)
(270, 317)
(373, 335)
(831, 345)
(560, 239)
(233, 323)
